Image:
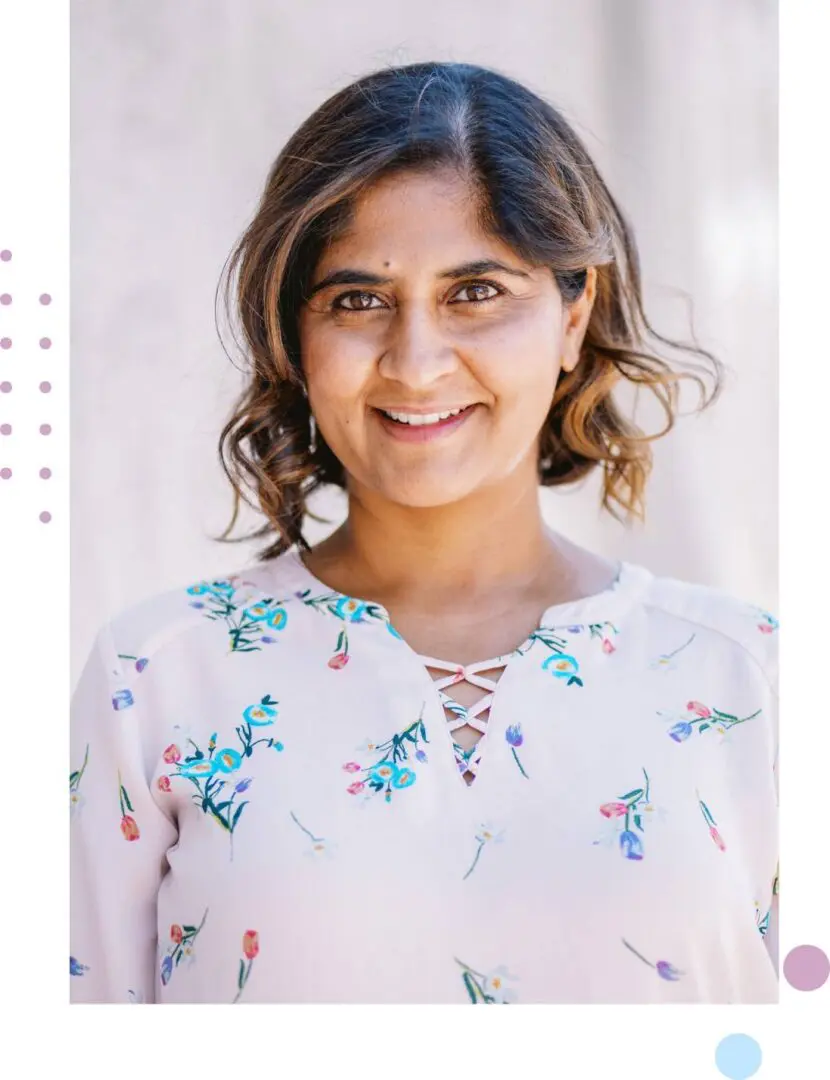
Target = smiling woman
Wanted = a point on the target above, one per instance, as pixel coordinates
(500, 746)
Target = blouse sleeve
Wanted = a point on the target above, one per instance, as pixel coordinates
(118, 840)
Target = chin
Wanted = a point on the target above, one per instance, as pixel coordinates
(425, 493)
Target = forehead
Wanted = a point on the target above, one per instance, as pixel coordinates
(416, 215)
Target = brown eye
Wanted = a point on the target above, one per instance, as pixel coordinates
(355, 301)
(478, 292)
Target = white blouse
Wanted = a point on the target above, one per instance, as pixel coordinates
(268, 803)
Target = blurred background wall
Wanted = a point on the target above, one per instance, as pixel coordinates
(178, 109)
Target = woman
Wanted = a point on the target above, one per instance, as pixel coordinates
(446, 755)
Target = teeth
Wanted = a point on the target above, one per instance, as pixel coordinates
(420, 421)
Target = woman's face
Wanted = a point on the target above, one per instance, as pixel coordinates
(416, 311)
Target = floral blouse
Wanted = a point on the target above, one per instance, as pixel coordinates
(269, 805)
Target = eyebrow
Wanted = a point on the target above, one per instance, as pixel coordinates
(349, 276)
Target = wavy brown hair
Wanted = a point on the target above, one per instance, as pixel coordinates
(537, 190)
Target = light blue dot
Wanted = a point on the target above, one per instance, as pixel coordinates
(738, 1057)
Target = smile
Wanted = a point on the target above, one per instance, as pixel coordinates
(421, 427)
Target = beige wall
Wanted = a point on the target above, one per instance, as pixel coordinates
(178, 109)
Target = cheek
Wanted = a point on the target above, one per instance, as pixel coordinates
(337, 368)
(519, 362)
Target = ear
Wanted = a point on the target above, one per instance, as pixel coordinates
(577, 316)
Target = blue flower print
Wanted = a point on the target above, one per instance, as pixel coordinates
(166, 969)
(384, 773)
(122, 699)
(227, 760)
(200, 767)
(681, 731)
(75, 967)
(350, 610)
(631, 845)
(259, 715)
(403, 778)
(206, 771)
(563, 666)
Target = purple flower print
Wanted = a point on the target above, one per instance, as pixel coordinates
(166, 970)
(663, 968)
(122, 699)
(680, 732)
(243, 785)
(514, 740)
(631, 845)
(420, 756)
(75, 967)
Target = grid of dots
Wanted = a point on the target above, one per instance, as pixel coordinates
(6, 387)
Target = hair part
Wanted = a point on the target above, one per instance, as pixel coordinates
(538, 191)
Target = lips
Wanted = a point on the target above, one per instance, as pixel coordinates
(419, 433)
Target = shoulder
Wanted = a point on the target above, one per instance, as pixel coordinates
(213, 604)
(722, 618)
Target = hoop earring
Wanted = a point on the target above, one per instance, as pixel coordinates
(312, 439)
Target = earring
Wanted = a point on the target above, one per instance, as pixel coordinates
(312, 440)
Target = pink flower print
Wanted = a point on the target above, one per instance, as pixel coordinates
(765, 628)
(176, 933)
(338, 661)
(163, 783)
(351, 766)
(129, 828)
(608, 646)
(250, 950)
(613, 809)
(250, 944)
(356, 787)
(710, 821)
(699, 710)
(172, 754)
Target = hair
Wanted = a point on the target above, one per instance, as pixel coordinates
(538, 191)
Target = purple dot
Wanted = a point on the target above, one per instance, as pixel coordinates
(5, 343)
(45, 298)
(5, 255)
(5, 299)
(45, 387)
(45, 517)
(5, 474)
(5, 387)
(45, 343)
(806, 967)
(44, 474)
(45, 429)
(5, 429)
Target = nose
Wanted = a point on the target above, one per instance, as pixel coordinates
(419, 352)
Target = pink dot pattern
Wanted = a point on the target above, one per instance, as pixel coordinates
(5, 343)
(44, 474)
(806, 967)
(46, 429)
(45, 387)
(45, 343)
(5, 255)
(45, 298)
(5, 299)
(5, 474)
(5, 387)
(45, 517)
(5, 429)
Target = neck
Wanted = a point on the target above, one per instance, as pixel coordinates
(493, 541)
